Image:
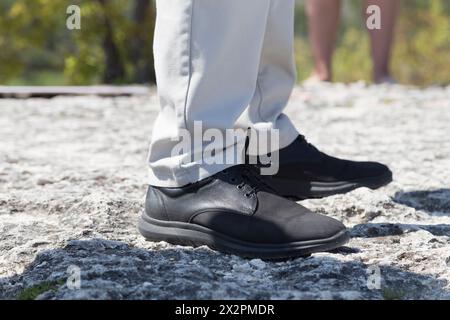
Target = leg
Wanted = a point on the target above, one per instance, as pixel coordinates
(304, 171)
(323, 19)
(276, 74)
(207, 56)
(382, 39)
(229, 64)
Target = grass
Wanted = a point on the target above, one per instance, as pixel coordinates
(33, 292)
(393, 294)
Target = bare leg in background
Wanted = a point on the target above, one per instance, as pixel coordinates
(382, 39)
(323, 20)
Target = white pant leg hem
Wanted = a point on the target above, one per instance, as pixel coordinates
(194, 172)
(184, 177)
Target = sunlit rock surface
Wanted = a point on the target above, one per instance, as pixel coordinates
(72, 184)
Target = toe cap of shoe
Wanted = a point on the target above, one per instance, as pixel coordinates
(292, 222)
(316, 227)
(357, 170)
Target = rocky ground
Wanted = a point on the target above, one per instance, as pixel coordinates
(72, 184)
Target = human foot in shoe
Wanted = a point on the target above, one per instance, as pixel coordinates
(305, 172)
(235, 212)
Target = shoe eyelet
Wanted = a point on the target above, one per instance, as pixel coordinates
(233, 180)
(239, 187)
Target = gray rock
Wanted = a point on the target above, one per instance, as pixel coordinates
(93, 152)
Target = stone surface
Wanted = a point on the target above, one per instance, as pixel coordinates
(72, 184)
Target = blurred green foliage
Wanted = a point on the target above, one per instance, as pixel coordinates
(114, 44)
(421, 54)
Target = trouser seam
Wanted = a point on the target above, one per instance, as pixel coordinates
(190, 64)
(259, 76)
(258, 86)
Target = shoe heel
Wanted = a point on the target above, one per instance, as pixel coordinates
(180, 235)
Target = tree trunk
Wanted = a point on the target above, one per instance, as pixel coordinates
(141, 51)
(115, 70)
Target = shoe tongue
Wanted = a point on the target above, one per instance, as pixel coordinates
(251, 174)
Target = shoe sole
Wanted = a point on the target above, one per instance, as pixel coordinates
(317, 190)
(188, 234)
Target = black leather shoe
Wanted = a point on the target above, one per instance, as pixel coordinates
(235, 212)
(305, 172)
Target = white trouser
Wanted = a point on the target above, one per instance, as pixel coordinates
(226, 63)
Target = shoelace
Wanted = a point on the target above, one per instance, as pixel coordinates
(250, 178)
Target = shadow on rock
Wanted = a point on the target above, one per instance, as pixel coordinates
(115, 270)
(375, 230)
(434, 202)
